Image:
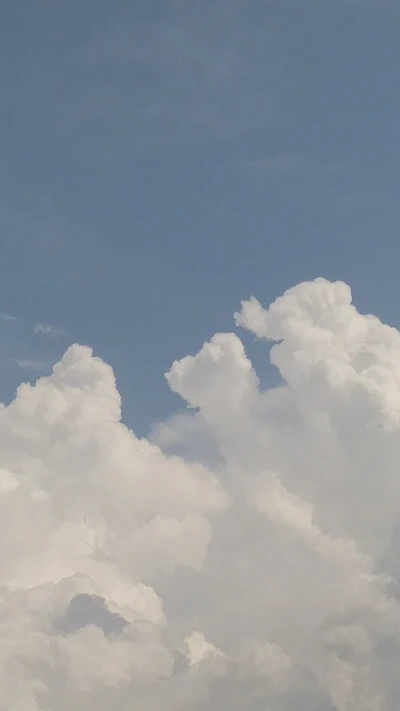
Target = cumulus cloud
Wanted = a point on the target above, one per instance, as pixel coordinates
(245, 555)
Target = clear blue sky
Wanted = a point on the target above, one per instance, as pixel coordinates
(163, 159)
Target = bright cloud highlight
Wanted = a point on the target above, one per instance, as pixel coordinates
(243, 557)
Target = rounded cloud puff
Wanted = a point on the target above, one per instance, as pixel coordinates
(244, 556)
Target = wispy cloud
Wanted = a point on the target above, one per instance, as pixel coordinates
(7, 318)
(32, 364)
(46, 329)
(193, 70)
(290, 164)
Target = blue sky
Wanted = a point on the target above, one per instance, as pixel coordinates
(162, 160)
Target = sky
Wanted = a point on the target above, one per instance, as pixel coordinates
(199, 433)
(163, 160)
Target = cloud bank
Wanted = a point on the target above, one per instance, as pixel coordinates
(246, 555)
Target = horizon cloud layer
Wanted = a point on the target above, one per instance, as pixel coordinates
(245, 555)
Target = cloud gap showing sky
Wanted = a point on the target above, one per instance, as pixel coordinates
(245, 555)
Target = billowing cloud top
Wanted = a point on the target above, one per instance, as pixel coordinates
(244, 557)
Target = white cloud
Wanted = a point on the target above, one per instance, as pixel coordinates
(46, 329)
(269, 577)
(199, 650)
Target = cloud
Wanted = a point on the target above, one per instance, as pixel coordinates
(46, 329)
(32, 364)
(201, 69)
(7, 318)
(286, 164)
(244, 556)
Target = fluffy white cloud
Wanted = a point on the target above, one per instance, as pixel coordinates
(244, 556)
